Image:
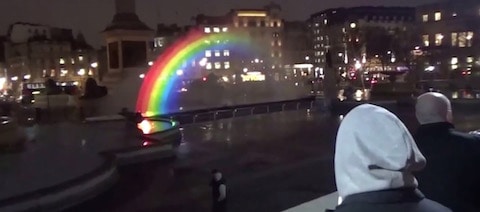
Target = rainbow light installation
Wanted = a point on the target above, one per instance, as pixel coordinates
(157, 95)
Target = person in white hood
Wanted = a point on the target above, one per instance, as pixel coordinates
(375, 157)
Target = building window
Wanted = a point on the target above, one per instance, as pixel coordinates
(224, 29)
(325, 21)
(425, 17)
(226, 65)
(438, 39)
(226, 53)
(218, 65)
(209, 66)
(426, 40)
(217, 53)
(207, 30)
(208, 53)
(470, 59)
(438, 16)
(469, 39)
(80, 58)
(216, 29)
(62, 61)
(454, 38)
(454, 60)
(454, 63)
(465, 39)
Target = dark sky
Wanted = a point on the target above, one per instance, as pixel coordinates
(91, 16)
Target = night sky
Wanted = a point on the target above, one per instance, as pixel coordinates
(91, 16)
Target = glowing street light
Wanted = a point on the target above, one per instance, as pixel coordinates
(179, 72)
(203, 62)
(245, 70)
(27, 77)
(358, 65)
(150, 63)
(94, 65)
(141, 76)
(353, 25)
(15, 78)
(257, 60)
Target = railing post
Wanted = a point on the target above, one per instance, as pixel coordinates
(283, 107)
(235, 113)
(311, 104)
(215, 116)
(268, 108)
(251, 111)
(298, 105)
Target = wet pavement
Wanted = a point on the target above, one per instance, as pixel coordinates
(271, 162)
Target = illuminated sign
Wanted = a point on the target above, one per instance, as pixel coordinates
(253, 76)
(252, 14)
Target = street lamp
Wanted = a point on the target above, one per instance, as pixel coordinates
(94, 65)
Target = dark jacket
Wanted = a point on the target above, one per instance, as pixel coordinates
(394, 200)
(452, 175)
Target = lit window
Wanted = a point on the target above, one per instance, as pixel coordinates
(438, 39)
(454, 67)
(217, 53)
(207, 30)
(469, 59)
(438, 16)
(216, 29)
(454, 14)
(465, 39)
(62, 61)
(454, 61)
(208, 53)
(72, 61)
(325, 21)
(226, 53)
(226, 65)
(426, 40)
(218, 65)
(425, 18)
(80, 58)
(469, 39)
(209, 66)
(224, 29)
(454, 38)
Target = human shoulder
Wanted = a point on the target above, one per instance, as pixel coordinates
(427, 205)
(465, 137)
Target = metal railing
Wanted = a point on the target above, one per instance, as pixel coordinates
(241, 111)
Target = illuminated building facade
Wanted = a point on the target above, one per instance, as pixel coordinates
(357, 38)
(35, 52)
(449, 38)
(263, 28)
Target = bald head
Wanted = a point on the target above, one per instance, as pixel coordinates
(433, 107)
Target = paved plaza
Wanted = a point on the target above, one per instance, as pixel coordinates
(272, 162)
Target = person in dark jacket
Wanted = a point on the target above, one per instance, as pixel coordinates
(375, 157)
(219, 192)
(451, 176)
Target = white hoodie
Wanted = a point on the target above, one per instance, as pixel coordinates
(374, 151)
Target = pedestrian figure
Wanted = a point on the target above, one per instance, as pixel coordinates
(219, 192)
